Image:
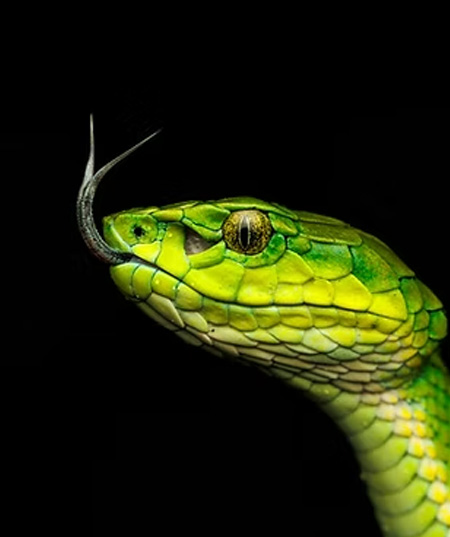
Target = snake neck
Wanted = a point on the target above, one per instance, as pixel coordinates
(401, 438)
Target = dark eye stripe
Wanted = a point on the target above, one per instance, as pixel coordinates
(245, 232)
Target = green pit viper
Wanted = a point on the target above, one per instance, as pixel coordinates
(326, 308)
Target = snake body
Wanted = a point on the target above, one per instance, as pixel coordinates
(326, 308)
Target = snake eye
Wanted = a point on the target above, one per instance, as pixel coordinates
(247, 232)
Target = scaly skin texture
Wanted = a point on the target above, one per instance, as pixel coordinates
(326, 308)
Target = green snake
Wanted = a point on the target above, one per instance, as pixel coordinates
(326, 308)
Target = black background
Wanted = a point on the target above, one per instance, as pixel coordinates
(174, 435)
(199, 433)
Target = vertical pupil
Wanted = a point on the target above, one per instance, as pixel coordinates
(244, 233)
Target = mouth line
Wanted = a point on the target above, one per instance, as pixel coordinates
(140, 261)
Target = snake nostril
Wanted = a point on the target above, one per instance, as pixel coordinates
(138, 231)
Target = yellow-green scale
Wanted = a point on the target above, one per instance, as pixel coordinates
(401, 438)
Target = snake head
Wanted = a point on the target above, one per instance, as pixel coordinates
(209, 246)
(298, 294)
(307, 298)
